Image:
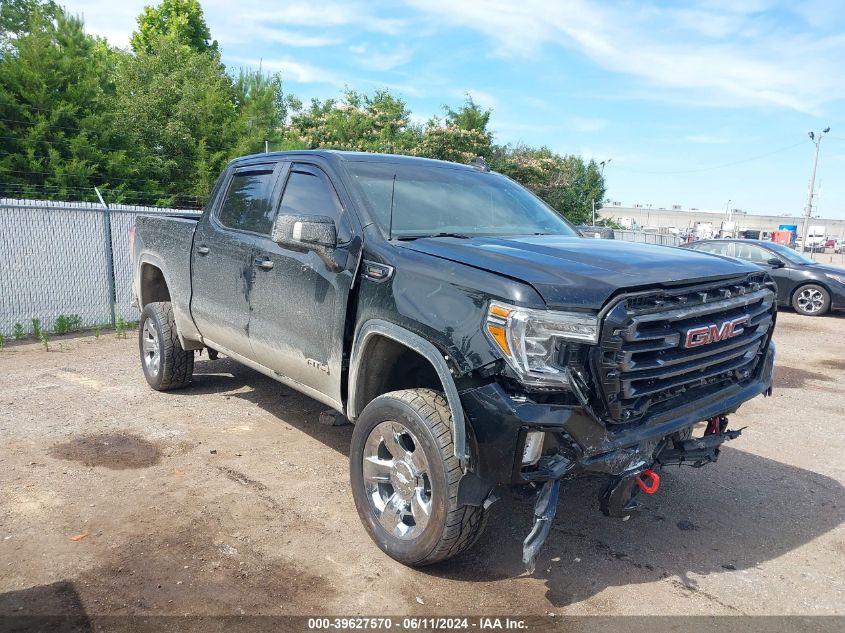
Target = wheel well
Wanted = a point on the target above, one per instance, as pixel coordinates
(153, 285)
(388, 365)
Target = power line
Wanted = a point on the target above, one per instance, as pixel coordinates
(123, 193)
(52, 125)
(713, 167)
(58, 173)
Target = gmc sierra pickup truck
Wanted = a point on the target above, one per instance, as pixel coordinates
(479, 345)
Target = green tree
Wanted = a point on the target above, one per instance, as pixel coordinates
(461, 137)
(566, 182)
(60, 137)
(179, 105)
(377, 123)
(262, 110)
(17, 15)
(180, 19)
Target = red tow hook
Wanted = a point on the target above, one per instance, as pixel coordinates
(652, 487)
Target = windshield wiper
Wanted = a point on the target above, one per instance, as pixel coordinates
(417, 237)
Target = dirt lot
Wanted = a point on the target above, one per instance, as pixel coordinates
(230, 498)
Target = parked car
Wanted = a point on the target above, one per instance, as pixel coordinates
(808, 286)
(477, 342)
(596, 232)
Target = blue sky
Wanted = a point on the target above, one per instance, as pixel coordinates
(695, 103)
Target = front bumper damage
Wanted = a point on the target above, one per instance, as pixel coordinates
(588, 446)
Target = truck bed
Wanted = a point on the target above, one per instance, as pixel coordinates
(165, 241)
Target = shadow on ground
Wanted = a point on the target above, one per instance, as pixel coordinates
(737, 514)
(722, 519)
(227, 377)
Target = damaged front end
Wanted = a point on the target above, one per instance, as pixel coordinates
(618, 497)
(631, 399)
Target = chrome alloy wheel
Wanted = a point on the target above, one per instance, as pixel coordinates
(811, 300)
(149, 342)
(396, 479)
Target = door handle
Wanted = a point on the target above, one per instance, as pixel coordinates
(203, 250)
(266, 264)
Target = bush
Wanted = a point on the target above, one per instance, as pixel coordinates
(65, 324)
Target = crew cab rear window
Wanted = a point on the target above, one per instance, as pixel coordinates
(246, 206)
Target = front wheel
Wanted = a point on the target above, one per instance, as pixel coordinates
(166, 364)
(811, 300)
(405, 479)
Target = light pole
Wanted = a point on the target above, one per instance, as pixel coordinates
(727, 212)
(601, 172)
(817, 139)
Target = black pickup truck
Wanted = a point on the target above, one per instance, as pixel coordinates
(477, 342)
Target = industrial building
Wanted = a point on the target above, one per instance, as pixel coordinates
(684, 220)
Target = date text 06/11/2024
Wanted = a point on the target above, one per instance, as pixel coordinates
(419, 623)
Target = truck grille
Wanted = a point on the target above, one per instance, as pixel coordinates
(648, 361)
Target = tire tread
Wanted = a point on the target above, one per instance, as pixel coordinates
(177, 364)
(465, 524)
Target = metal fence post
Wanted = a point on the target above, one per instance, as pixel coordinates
(109, 258)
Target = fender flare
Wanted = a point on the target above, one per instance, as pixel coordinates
(428, 351)
(152, 259)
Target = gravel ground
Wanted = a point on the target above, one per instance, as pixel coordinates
(230, 498)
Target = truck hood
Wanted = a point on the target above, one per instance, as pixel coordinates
(574, 272)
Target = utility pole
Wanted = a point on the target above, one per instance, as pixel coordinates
(266, 146)
(817, 139)
(601, 172)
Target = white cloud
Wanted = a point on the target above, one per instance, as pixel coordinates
(113, 20)
(295, 24)
(729, 53)
(380, 59)
(482, 98)
(586, 124)
(293, 70)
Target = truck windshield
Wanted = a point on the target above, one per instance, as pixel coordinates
(433, 200)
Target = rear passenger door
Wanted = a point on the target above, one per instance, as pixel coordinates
(223, 255)
(299, 295)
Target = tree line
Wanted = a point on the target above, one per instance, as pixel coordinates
(156, 123)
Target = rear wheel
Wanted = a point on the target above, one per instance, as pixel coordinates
(811, 300)
(405, 479)
(166, 364)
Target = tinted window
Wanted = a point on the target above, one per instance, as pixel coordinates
(247, 202)
(752, 253)
(718, 248)
(790, 254)
(309, 194)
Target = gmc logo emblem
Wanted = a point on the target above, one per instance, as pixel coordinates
(706, 334)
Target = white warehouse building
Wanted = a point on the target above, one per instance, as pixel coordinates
(684, 220)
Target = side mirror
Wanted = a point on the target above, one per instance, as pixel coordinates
(774, 262)
(305, 230)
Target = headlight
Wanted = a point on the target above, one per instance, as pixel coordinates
(839, 278)
(531, 340)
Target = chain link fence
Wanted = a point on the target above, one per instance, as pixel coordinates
(663, 239)
(65, 260)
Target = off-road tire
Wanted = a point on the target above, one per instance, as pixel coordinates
(175, 364)
(825, 307)
(451, 530)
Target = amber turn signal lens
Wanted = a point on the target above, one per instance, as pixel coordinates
(499, 311)
(498, 333)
